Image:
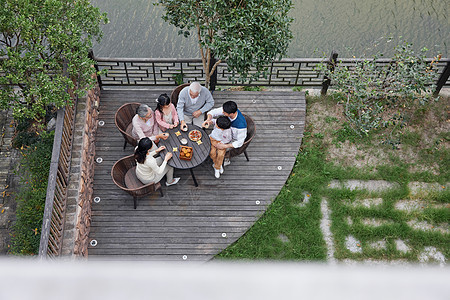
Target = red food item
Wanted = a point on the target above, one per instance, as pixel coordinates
(195, 135)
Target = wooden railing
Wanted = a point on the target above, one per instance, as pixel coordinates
(55, 202)
(285, 72)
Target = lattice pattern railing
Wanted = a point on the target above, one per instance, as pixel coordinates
(162, 72)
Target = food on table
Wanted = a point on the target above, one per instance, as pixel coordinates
(199, 142)
(195, 135)
(184, 141)
(177, 133)
(174, 149)
(186, 153)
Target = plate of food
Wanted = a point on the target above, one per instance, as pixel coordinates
(195, 135)
(186, 153)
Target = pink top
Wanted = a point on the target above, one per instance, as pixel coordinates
(163, 125)
(143, 129)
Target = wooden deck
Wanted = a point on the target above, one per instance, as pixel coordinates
(191, 223)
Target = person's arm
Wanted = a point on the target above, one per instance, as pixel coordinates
(214, 113)
(174, 115)
(137, 127)
(209, 102)
(240, 135)
(160, 120)
(180, 105)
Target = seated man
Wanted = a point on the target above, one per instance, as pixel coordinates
(238, 125)
(193, 102)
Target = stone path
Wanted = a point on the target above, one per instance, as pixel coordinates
(413, 205)
(8, 161)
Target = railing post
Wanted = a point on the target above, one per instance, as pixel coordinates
(442, 79)
(99, 78)
(213, 78)
(331, 64)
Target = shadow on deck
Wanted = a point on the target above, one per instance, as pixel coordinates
(194, 223)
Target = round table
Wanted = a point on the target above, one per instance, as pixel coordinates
(200, 152)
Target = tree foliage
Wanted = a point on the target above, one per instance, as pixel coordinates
(44, 47)
(244, 33)
(377, 93)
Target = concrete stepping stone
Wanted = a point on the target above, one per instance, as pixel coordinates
(431, 253)
(369, 185)
(325, 227)
(378, 245)
(352, 244)
(376, 222)
(424, 188)
(283, 238)
(368, 202)
(415, 205)
(401, 246)
(425, 226)
(349, 221)
(305, 200)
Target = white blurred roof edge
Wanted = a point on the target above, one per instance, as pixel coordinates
(32, 279)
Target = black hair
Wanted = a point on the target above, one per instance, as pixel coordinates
(144, 145)
(163, 100)
(230, 107)
(223, 122)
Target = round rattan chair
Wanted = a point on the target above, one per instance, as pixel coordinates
(123, 174)
(123, 119)
(251, 131)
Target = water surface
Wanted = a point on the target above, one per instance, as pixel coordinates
(350, 27)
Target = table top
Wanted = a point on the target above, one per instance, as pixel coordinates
(200, 152)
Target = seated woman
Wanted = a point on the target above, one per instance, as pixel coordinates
(165, 113)
(144, 124)
(150, 169)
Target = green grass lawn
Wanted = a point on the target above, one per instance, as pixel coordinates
(290, 228)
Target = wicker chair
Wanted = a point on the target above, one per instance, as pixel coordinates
(251, 130)
(123, 120)
(123, 174)
(176, 92)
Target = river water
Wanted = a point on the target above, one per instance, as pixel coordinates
(351, 27)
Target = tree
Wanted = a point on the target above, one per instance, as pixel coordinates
(244, 33)
(44, 47)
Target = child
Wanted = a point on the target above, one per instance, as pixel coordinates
(220, 134)
(165, 113)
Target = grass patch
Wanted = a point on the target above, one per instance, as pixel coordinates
(332, 150)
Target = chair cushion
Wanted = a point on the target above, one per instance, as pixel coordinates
(131, 180)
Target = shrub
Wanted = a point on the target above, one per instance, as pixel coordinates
(373, 90)
(34, 169)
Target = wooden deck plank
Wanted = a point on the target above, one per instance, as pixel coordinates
(188, 220)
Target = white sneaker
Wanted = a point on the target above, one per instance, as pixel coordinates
(226, 162)
(216, 173)
(221, 170)
(175, 181)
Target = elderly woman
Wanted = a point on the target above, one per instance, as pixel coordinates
(150, 169)
(144, 124)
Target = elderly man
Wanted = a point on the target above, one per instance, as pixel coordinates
(238, 125)
(193, 101)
